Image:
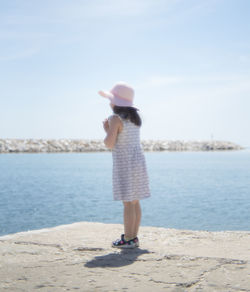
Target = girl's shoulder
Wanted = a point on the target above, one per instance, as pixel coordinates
(115, 115)
(119, 121)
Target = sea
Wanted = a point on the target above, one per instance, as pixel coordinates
(204, 190)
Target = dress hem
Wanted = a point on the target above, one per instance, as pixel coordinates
(136, 198)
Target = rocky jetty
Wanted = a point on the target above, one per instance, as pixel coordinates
(96, 145)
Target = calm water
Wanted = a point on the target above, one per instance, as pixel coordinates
(190, 190)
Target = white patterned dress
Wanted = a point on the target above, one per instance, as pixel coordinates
(130, 177)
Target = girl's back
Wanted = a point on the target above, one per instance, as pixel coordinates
(130, 178)
(129, 137)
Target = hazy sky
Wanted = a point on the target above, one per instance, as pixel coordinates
(188, 60)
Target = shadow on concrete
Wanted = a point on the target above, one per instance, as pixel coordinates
(124, 258)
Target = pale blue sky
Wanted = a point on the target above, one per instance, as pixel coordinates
(188, 60)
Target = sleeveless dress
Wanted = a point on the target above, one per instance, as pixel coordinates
(130, 177)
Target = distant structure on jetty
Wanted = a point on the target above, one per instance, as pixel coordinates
(82, 145)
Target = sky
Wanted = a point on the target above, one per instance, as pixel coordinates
(187, 60)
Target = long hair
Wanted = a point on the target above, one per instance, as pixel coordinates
(129, 113)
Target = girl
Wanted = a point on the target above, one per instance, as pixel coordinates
(130, 178)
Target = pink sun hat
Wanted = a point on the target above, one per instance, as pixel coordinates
(121, 94)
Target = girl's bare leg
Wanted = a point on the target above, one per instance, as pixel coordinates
(132, 218)
(138, 218)
(129, 219)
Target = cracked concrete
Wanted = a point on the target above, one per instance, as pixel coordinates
(79, 257)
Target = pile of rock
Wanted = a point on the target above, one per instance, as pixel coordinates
(50, 145)
(82, 145)
(181, 145)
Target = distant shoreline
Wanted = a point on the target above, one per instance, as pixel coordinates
(97, 145)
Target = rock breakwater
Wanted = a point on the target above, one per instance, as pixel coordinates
(97, 145)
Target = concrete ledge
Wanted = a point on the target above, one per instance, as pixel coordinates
(79, 257)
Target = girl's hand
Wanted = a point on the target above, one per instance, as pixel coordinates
(106, 125)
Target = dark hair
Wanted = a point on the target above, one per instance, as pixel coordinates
(128, 113)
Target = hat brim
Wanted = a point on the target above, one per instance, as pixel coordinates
(106, 94)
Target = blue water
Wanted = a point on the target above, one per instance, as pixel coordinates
(190, 190)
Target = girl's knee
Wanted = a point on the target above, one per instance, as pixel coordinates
(135, 202)
(127, 203)
(130, 203)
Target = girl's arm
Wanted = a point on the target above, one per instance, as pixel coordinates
(112, 131)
